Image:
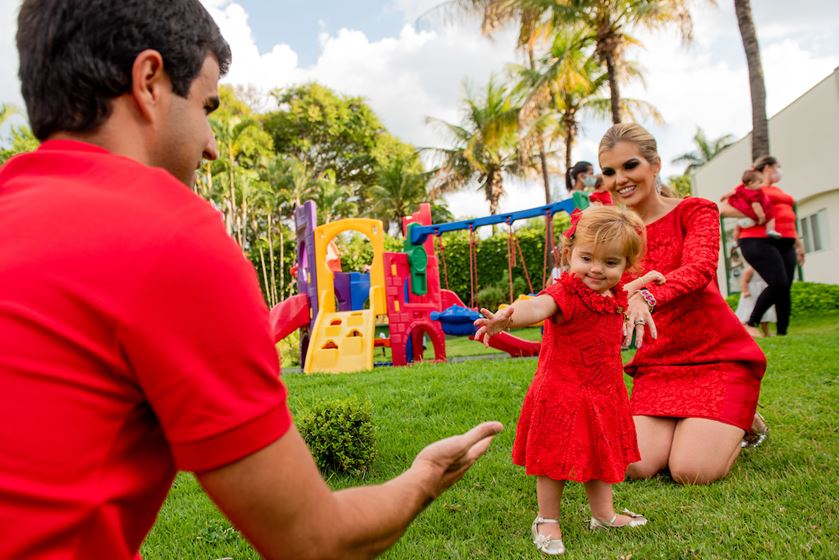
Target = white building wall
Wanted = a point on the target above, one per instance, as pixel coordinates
(804, 136)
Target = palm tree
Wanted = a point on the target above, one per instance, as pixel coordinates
(6, 111)
(398, 192)
(241, 143)
(606, 22)
(333, 201)
(533, 29)
(568, 83)
(484, 146)
(760, 125)
(705, 151)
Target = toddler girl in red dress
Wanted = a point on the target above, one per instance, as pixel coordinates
(575, 423)
(750, 199)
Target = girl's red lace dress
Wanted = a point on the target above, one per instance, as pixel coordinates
(575, 423)
(704, 364)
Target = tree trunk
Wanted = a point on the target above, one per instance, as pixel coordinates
(243, 227)
(614, 89)
(233, 212)
(569, 146)
(760, 125)
(543, 158)
(543, 163)
(281, 295)
(496, 189)
(262, 263)
(272, 290)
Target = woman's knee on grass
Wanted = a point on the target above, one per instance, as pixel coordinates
(644, 469)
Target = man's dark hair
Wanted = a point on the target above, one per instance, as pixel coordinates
(77, 55)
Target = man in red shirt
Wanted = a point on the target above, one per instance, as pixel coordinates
(134, 340)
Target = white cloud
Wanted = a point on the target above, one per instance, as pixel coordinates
(9, 84)
(419, 72)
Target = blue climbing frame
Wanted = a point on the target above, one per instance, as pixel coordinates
(419, 234)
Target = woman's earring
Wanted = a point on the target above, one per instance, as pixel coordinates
(658, 184)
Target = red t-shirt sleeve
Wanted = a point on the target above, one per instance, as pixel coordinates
(197, 337)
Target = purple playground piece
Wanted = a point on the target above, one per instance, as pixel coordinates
(305, 222)
(352, 289)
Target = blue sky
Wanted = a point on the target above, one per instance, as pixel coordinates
(299, 22)
(372, 48)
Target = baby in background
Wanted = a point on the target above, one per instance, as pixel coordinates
(749, 199)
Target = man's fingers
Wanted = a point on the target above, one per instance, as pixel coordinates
(481, 431)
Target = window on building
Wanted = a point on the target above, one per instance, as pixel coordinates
(814, 232)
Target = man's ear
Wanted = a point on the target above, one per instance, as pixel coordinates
(149, 83)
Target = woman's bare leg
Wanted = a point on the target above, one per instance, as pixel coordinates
(703, 450)
(655, 437)
(549, 496)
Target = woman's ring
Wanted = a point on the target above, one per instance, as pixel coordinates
(640, 322)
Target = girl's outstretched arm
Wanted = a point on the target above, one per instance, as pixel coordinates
(638, 283)
(520, 314)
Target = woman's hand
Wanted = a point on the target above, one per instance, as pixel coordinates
(638, 316)
(493, 323)
(746, 293)
(799, 251)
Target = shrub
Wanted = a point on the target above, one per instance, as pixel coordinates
(491, 297)
(289, 350)
(732, 300)
(810, 296)
(340, 435)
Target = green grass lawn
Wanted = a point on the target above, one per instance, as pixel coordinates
(780, 500)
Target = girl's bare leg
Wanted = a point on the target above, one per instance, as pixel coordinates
(601, 503)
(549, 496)
(655, 437)
(703, 450)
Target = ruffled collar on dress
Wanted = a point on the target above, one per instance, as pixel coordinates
(593, 300)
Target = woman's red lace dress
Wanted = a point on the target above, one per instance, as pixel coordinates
(575, 423)
(704, 364)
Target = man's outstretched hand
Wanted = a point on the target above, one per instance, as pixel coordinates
(447, 460)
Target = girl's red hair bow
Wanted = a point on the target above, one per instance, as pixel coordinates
(575, 217)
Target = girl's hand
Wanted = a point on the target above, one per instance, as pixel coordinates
(638, 316)
(746, 293)
(638, 283)
(492, 324)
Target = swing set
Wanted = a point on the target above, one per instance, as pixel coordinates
(419, 234)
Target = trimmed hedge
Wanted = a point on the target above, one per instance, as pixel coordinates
(340, 435)
(807, 297)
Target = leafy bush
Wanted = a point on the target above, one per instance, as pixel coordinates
(289, 350)
(340, 435)
(733, 300)
(491, 297)
(810, 296)
(807, 297)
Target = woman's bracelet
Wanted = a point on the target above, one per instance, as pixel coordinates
(649, 298)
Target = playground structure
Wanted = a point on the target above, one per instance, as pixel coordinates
(339, 313)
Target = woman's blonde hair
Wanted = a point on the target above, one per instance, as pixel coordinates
(608, 225)
(638, 135)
